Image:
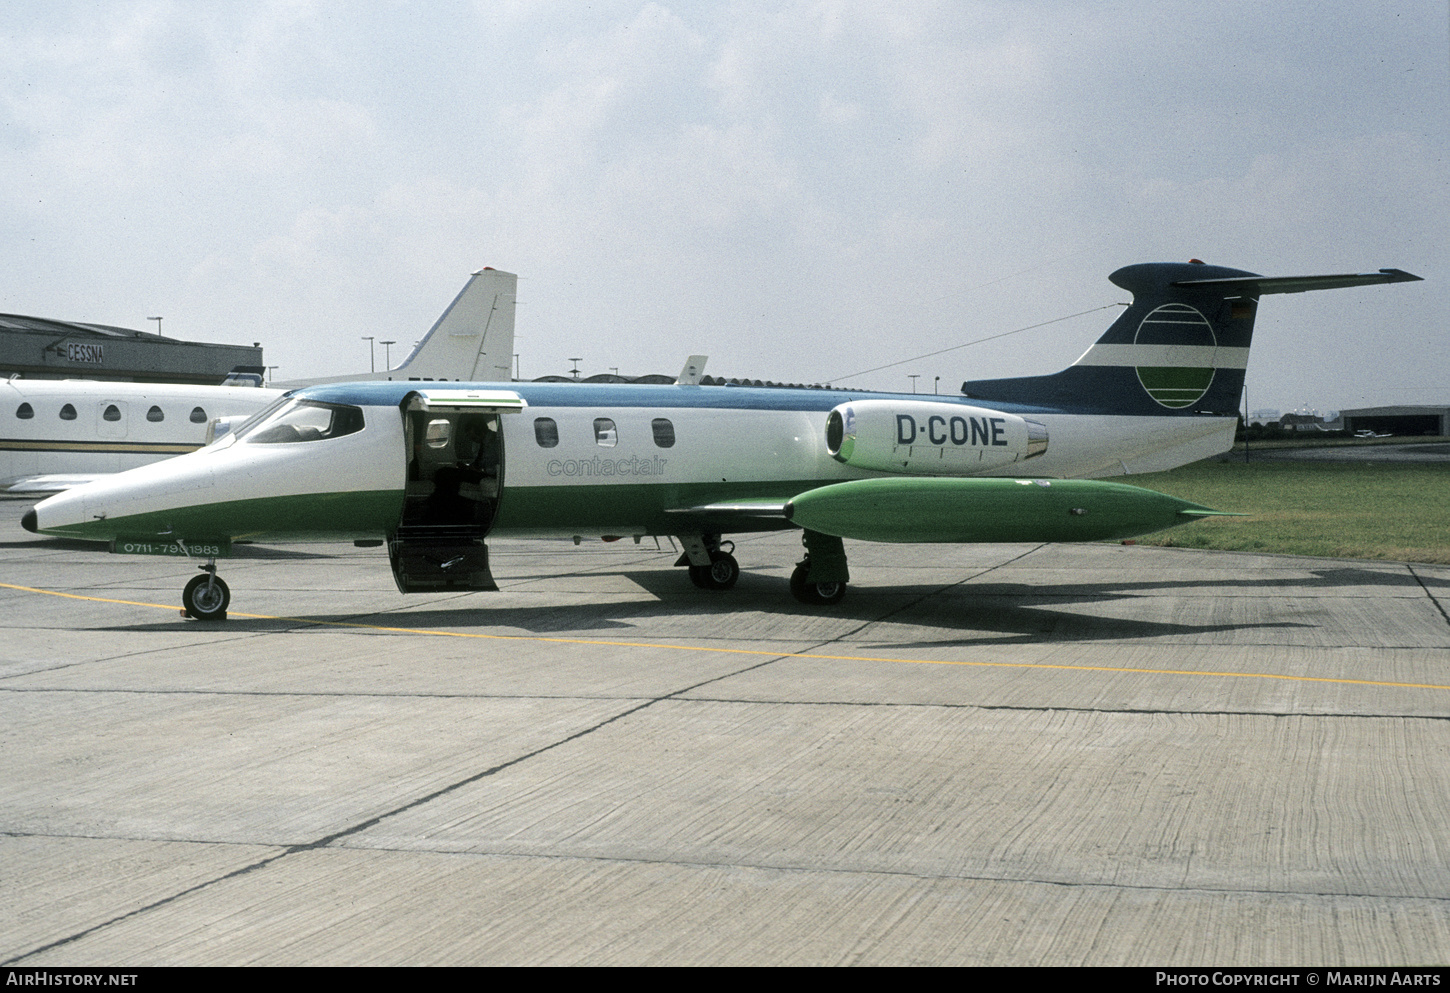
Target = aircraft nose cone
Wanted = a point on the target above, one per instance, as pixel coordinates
(28, 522)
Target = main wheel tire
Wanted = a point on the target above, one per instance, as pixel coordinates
(206, 598)
(722, 572)
(814, 594)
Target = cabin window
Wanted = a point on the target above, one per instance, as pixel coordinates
(439, 431)
(605, 434)
(112, 413)
(155, 414)
(25, 412)
(546, 432)
(305, 420)
(664, 432)
(198, 415)
(67, 413)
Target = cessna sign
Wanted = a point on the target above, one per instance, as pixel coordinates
(78, 352)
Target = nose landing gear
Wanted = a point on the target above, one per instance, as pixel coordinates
(206, 597)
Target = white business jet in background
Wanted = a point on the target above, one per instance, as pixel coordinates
(59, 433)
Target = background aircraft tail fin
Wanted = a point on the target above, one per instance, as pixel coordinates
(1182, 346)
(245, 375)
(693, 370)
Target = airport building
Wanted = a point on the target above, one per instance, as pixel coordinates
(1404, 421)
(42, 348)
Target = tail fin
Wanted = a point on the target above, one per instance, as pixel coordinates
(245, 375)
(472, 342)
(474, 339)
(1182, 346)
(693, 370)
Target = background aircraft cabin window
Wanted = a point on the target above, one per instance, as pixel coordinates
(67, 413)
(112, 413)
(605, 433)
(307, 420)
(439, 431)
(546, 432)
(25, 412)
(198, 416)
(664, 432)
(155, 414)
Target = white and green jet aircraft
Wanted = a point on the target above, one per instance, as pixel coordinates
(433, 470)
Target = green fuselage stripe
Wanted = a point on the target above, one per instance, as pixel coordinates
(310, 516)
(635, 508)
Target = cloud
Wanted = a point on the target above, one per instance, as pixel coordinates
(794, 188)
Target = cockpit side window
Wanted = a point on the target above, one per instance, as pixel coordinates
(304, 420)
(265, 414)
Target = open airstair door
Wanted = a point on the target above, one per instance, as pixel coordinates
(454, 486)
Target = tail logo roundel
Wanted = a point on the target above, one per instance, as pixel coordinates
(1176, 380)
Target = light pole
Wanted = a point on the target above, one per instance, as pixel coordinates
(372, 353)
(576, 367)
(516, 366)
(158, 325)
(935, 384)
(914, 377)
(387, 352)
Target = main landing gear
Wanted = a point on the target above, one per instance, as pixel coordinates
(819, 579)
(206, 597)
(814, 594)
(711, 566)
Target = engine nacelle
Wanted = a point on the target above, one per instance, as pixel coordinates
(930, 438)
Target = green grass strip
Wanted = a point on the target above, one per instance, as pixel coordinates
(1396, 511)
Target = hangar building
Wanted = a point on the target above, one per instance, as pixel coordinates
(42, 348)
(1398, 420)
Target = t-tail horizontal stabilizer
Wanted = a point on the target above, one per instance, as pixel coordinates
(1181, 347)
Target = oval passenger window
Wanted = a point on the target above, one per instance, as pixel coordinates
(67, 413)
(546, 432)
(25, 412)
(113, 413)
(198, 416)
(155, 414)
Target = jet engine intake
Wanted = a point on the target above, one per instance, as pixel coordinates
(930, 438)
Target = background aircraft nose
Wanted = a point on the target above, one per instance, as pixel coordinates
(28, 522)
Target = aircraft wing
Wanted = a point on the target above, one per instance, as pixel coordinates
(51, 483)
(728, 514)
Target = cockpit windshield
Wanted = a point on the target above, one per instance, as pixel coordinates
(301, 420)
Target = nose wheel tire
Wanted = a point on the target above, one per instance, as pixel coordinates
(814, 594)
(720, 574)
(206, 598)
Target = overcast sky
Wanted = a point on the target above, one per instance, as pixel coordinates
(798, 190)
